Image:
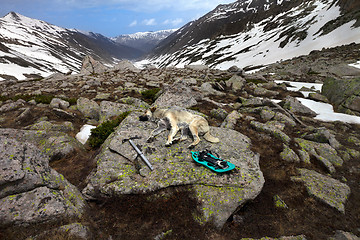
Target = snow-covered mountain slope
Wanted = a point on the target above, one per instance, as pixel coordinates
(259, 32)
(144, 41)
(34, 48)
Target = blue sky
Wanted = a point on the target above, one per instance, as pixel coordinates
(113, 17)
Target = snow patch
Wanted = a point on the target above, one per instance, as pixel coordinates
(84, 133)
(326, 112)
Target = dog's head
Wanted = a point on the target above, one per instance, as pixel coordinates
(148, 114)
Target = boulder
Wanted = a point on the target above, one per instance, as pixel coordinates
(272, 130)
(126, 65)
(231, 120)
(89, 108)
(49, 126)
(236, 83)
(55, 145)
(323, 152)
(289, 155)
(343, 93)
(295, 106)
(138, 103)
(326, 189)
(32, 192)
(179, 94)
(318, 97)
(59, 103)
(91, 66)
(208, 89)
(219, 195)
(111, 109)
(342, 235)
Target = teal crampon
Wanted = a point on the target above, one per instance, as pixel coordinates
(209, 160)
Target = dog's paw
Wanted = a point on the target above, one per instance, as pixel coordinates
(168, 144)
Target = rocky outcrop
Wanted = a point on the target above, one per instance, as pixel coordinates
(326, 189)
(91, 66)
(179, 94)
(117, 173)
(55, 145)
(344, 93)
(32, 192)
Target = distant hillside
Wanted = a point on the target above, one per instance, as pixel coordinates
(34, 48)
(256, 32)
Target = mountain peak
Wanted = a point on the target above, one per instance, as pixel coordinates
(13, 16)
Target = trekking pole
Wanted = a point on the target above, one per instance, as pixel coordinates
(138, 151)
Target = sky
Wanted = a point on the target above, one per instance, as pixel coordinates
(113, 17)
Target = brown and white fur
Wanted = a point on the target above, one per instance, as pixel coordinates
(176, 119)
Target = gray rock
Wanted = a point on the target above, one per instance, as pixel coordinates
(30, 191)
(111, 109)
(236, 83)
(102, 96)
(342, 235)
(289, 155)
(59, 103)
(267, 114)
(91, 66)
(138, 103)
(77, 230)
(55, 145)
(219, 195)
(207, 89)
(323, 152)
(275, 132)
(295, 106)
(11, 106)
(89, 108)
(197, 67)
(343, 93)
(125, 65)
(299, 237)
(178, 94)
(323, 135)
(231, 120)
(326, 189)
(280, 117)
(219, 113)
(318, 97)
(48, 126)
(260, 91)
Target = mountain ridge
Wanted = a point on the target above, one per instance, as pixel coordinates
(238, 33)
(34, 48)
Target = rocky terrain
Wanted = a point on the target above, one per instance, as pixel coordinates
(296, 177)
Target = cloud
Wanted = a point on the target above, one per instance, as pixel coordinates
(133, 23)
(173, 22)
(149, 22)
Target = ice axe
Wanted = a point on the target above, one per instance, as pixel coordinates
(138, 151)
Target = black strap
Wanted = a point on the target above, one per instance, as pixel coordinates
(216, 163)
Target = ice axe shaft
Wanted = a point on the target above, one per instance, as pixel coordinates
(140, 153)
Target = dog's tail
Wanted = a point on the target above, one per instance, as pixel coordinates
(210, 138)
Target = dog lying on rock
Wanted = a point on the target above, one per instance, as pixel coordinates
(175, 119)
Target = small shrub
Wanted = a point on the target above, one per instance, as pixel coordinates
(102, 132)
(46, 99)
(150, 94)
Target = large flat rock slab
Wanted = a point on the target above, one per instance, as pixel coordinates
(219, 195)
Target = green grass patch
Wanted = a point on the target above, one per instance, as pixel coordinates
(150, 94)
(45, 99)
(102, 132)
